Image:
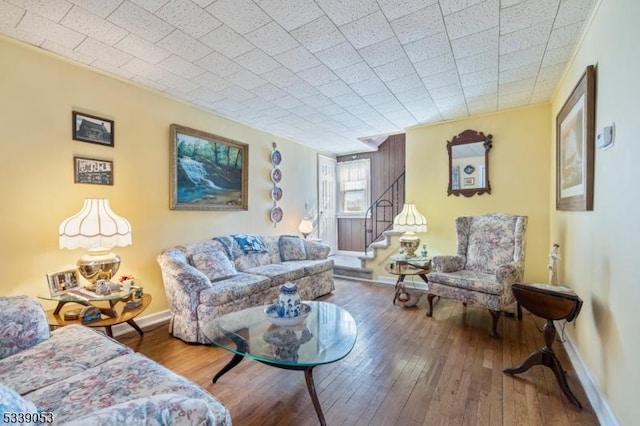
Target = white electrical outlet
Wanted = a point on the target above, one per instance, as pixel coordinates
(604, 139)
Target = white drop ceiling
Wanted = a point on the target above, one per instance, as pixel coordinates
(325, 73)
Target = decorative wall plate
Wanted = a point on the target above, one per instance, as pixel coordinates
(276, 175)
(469, 169)
(276, 157)
(276, 193)
(276, 214)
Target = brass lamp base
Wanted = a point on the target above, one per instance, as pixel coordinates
(410, 243)
(98, 266)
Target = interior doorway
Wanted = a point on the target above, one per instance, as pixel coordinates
(327, 226)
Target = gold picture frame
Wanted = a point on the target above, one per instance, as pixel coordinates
(575, 145)
(62, 281)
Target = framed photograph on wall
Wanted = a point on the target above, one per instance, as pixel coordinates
(575, 144)
(92, 129)
(208, 172)
(59, 282)
(91, 170)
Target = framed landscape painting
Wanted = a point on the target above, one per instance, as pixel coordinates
(575, 140)
(208, 172)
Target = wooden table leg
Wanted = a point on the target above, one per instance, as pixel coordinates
(398, 287)
(547, 358)
(312, 392)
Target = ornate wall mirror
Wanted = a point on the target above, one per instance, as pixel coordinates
(469, 163)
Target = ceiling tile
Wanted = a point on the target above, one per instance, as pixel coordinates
(140, 22)
(102, 8)
(541, 96)
(572, 11)
(226, 41)
(334, 88)
(478, 77)
(211, 81)
(367, 87)
(287, 102)
(526, 14)
(516, 87)
(176, 82)
(410, 81)
(395, 70)
(242, 16)
(150, 5)
(449, 92)
(367, 30)
(383, 52)
(513, 100)
(146, 70)
(420, 24)
(272, 38)
(557, 56)
(318, 35)
(356, 72)
(305, 111)
(341, 11)
(297, 59)
(564, 36)
(331, 110)
(397, 8)
(348, 100)
(10, 15)
(302, 89)
(219, 64)
(102, 65)
(49, 30)
(482, 61)
(551, 72)
(184, 46)
(106, 53)
(188, 17)
(402, 118)
(20, 35)
(316, 100)
(207, 94)
(69, 53)
(476, 43)
(474, 19)
(291, 14)
(245, 79)
(149, 83)
(521, 73)
(481, 90)
(236, 93)
(179, 66)
(52, 10)
(269, 91)
(339, 56)
(523, 39)
(257, 61)
(141, 48)
(281, 77)
(427, 48)
(519, 58)
(413, 95)
(452, 6)
(317, 75)
(257, 104)
(92, 25)
(383, 97)
(483, 104)
(390, 107)
(435, 65)
(440, 80)
(227, 106)
(544, 85)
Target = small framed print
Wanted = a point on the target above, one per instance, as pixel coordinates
(90, 170)
(469, 181)
(92, 129)
(62, 281)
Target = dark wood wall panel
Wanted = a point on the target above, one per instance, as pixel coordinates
(387, 163)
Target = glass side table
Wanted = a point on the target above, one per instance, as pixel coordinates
(403, 266)
(88, 298)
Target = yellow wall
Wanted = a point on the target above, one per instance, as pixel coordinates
(37, 95)
(518, 173)
(600, 248)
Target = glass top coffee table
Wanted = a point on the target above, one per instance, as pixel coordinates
(327, 335)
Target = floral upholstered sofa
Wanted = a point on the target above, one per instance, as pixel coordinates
(225, 274)
(76, 375)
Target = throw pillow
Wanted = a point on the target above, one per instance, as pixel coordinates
(12, 402)
(292, 248)
(214, 264)
(249, 243)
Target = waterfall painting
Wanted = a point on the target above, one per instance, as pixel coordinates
(208, 172)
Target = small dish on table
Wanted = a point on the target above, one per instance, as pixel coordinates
(271, 312)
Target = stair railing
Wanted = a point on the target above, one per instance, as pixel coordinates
(380, 214)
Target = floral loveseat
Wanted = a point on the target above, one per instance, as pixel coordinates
(76, 375)
(225, 274)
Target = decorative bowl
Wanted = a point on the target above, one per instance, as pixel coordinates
(271, 312)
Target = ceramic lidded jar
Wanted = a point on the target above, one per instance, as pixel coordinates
(289, 303)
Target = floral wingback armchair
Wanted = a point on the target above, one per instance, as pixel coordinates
(491, 249)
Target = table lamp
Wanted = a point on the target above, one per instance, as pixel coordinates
(97, 229)
(306, 226)
(410, 221)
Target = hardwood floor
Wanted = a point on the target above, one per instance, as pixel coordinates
(405, 369)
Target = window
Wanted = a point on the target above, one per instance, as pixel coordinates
(354, 178)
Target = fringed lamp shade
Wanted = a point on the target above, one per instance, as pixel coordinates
(410, 221)
(97, 229)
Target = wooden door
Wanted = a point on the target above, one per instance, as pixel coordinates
(327, 229)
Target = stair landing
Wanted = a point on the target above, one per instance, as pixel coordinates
(349, 265)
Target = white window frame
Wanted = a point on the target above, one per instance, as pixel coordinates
(354, 181)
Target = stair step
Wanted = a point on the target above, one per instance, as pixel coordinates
(352, 272)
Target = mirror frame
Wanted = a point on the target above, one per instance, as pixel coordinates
(464, 138)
